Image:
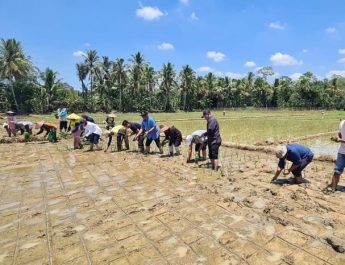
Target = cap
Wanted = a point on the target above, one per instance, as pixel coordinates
(143, 113)
(281, 151)
(206, 111)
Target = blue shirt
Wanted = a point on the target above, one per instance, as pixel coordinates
(148, 125)
(295, 154)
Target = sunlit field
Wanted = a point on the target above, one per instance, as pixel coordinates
(238, 126)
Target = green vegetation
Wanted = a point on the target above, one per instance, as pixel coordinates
(117, 85)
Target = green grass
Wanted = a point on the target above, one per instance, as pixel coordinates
(238, 126)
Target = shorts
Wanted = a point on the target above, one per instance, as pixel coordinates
(213, 151)
(176, 142)
(339, 164)
(157, 141)
(199, 147)
(94, 138)
(305, 162)
(63, 125)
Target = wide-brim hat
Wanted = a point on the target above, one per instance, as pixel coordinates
(164, 128)
(39, 124)
(73, 116)
(10, 112)
(281, 151)
(111, 115)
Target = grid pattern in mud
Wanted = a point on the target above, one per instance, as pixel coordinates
(72, 207)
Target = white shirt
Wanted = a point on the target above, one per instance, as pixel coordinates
(342, 131)
(92, 128)
(199, 133)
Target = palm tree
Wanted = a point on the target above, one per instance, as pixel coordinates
(168, 80)
(82, 72)
(14, 64)
(91, 59)
(187, 77)
(119, 76)
(51, 85)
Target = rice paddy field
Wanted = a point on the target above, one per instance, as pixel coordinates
(65, 206)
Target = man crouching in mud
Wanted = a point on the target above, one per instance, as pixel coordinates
(300, 156)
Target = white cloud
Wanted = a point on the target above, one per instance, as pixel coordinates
(284, 59)
(250, 64)
(333, 73)
(331, 30)
(193, 16)
(205, 69)
(341, 51)
(185, 2)
(149, 12)
(295, 76)
(235, 75)
(79, 54)
(276, 25)
(305, 50)
(342, 60)
(166, 46)
(216, 56)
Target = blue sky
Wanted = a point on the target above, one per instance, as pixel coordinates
(227, 37)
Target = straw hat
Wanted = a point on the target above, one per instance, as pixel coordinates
(10, 112)
(39, 124)
(111, 115)
(164, 128)
(73, 116)
(281, 151)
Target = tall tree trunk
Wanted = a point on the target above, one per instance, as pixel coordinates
(14, 94)
(120, 104)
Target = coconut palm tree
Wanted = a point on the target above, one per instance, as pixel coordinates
(187, 77)
(14, 64)
(168, 80)
(51, 84)
(119, 75)
(82, 72)
(91, 60)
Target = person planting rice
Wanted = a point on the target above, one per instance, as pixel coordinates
(214, 139)
(24, 126)
(340, 162)
(173, 136)
(62, 116)
(151, 132)
(135, 128)
(76, 132)
(121, 133)
(200, 142)
(92, 133)
(50, 129)
(73, 119)
(300, 156)
(110, 121)
(11, 123)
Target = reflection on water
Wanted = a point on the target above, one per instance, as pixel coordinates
(322, 146)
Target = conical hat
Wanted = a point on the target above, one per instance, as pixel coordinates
(73, 116)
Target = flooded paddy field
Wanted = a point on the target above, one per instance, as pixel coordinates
(63, 206)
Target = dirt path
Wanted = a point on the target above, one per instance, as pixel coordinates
(72, 207)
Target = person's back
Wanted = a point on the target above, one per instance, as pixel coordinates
(213, 132)
(296, 152)
(147, 125)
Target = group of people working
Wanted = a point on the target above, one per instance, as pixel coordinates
(148, 131)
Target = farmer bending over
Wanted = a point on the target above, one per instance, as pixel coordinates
(92, 133)
(121, 133)
(173, 136)
(151, 132)
(50, 129)
(200, 142)
(299, 155)
(135, 128)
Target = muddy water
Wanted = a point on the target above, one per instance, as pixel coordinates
(72, 207)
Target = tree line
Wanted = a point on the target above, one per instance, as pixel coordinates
(133, 85)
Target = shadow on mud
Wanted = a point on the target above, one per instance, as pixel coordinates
(289, 181)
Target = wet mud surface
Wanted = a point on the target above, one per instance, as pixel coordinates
(59, 206)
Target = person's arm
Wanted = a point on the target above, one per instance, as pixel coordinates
(190, 151)
(340, 138)
(40, 131)
(279, 169)
(109, 141)
(139, 133)
(296, 160)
